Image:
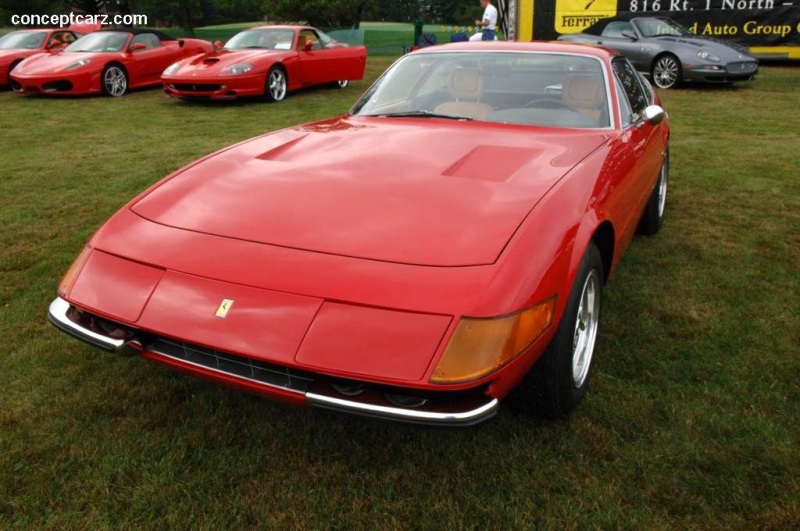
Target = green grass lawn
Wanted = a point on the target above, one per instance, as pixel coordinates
(691, 421)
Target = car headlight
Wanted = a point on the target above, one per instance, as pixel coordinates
(708, 56)
(480, 346)
(171, 69)
(235, 70)
(78, 64)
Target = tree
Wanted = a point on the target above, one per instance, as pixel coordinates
(321, 13)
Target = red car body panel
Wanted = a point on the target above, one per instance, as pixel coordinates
(10, 58)
(204, 77)
(50, 75)
(335, 255)
(468, 200)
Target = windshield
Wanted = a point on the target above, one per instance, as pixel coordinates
(659, 27)
(266, 39)
(546, 89)
(24, 40)
(111, 41)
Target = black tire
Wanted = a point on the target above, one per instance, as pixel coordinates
(275, 84)
(653, 215)
(666, 71)
(11, 69)
(557, 383)
(114, 81)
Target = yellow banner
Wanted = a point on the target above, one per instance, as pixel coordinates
(573, 16)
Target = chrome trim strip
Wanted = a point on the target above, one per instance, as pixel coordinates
(465, 418)
(57, 313)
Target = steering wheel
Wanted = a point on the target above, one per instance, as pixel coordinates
(549, 103)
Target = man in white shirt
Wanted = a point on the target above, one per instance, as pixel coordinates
(489, 21)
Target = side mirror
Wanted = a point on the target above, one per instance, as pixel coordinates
(136, 47)
(307, 46)
(55, 46)
(629, 34)
(654, 114)
(217, 45)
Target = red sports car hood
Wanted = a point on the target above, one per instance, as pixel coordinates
(213, 63)
(413, 191)
(50, 64)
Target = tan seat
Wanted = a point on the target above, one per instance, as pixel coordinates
(466, 87)
(586, 93)
(301, 43)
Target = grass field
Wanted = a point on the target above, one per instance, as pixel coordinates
(691, 421)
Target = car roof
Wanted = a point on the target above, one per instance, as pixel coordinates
(535, 46)
(137, 31)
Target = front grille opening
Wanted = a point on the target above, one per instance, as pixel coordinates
(57, 86)
(223, 362)
(195, 87)
(98, 325)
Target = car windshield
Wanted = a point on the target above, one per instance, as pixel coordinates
(24, 40)
(660, 27)
(266, 39)
(544, 89)
(100, 42)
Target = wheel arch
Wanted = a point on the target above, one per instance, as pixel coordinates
(604, 238)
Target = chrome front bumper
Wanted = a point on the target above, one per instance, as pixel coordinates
(58, 314)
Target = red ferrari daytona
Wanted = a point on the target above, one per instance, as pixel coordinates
(109, 62)
(418, 278)
(266, 61)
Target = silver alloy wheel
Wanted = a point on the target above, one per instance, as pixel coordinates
(662, 190)
(115, 81)
(277, 84)
(585, 334)
(342, 83)
(666, 72)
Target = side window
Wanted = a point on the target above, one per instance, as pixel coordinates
(632, 89)
(148, 39)
(614, 29)
(309, 36)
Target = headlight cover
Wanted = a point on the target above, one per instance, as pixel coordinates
(480, 346)
(78, 64)
(708, 56)
(171, 69)
(237, 69)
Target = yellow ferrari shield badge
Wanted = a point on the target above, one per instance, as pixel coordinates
(573, 16)
(224, 308)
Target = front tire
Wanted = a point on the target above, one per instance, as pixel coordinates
(653, 215)
(115, 81)
(558, 382)
(11, 69)
(666, 72)
(275, 84)
(342, 83)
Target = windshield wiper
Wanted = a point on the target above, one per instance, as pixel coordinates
(423, 114)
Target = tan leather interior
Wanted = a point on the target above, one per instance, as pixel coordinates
(465, 85)
(585, 92)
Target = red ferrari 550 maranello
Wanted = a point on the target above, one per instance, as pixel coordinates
(19, 45)
(445, 242)
(109, 62)
(266, 61)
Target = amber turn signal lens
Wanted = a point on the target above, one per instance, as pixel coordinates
(481, 346)
(72, 273)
